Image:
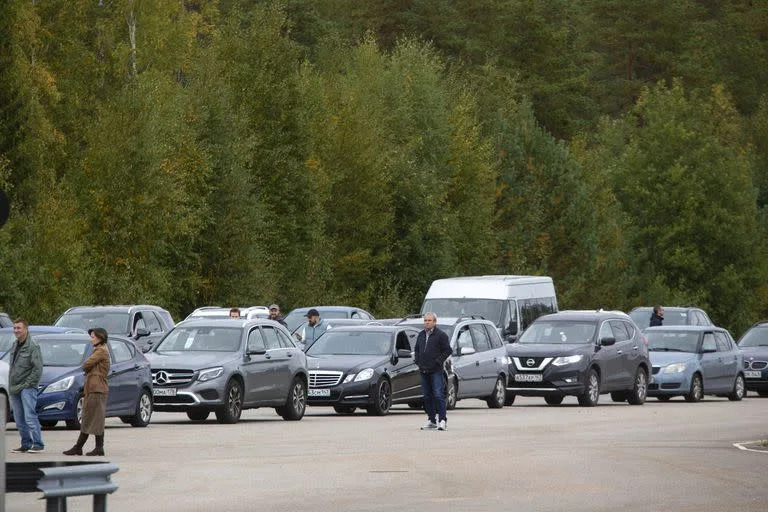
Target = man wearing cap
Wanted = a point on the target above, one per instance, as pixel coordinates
(315, 327)
(274, 314)
(24, 374)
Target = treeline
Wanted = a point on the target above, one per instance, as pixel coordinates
(345, 151)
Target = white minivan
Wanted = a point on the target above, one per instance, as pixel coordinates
(512, 303)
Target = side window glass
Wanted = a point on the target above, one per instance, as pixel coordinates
(709, 342)
(705, 319)
(256, 341)
(120, 353)
(138, 322)
(694, 318)
(465, 339)
(354, 314)
(605, 331)
(412, 339)
(722, 342)
(619, 331)
(153, 324)
(285, 341)
(630, 329)
(270, 338)
(482, 343)
(513, 314)
(493, 335)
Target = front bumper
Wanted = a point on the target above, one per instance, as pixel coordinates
(668, 384)
(555, 380)
(356, 394)
(195, 395)
(753, 383)
(60, 405)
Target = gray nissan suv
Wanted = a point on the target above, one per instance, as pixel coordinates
(225, 366)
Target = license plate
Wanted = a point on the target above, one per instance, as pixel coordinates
(753, 374)
(528, 377)
(164, 391)
(319, 392)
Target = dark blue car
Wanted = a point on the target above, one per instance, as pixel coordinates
(61, 385)
(754, 347)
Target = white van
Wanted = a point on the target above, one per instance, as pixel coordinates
(512, 303)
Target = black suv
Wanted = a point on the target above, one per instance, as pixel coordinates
(581, 353)
(145, 325)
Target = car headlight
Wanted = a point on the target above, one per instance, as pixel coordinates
(60, 385)
(349, 378)
(675, 368)
(210, 374)
(562, 361)
(364, 375)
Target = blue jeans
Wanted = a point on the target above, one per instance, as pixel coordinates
(24, 406)
(434, 395)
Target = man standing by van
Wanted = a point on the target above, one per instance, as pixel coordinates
(431, 350)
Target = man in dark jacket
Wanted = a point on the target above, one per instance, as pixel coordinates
(23, 378)
(274, 314)
(431, 350)
(657, 317)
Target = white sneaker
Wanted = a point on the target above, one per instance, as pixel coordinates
(431, 425)
(442, 425)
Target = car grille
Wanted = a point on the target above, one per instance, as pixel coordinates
(656, 369)
(324, 379)
(172, 377)
(755, 365)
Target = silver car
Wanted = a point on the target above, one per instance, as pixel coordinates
(225, 366)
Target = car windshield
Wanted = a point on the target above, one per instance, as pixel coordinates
(755, 337)
(201, 339)
(352, 343)
(489, 309)
(559, 332)
(294, 320)
(672, 341)
(114, 323)
(63, 352)
(642, 317)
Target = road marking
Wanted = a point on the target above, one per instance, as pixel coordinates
(741, 446)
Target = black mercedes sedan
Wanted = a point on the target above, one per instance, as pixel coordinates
(370, 367)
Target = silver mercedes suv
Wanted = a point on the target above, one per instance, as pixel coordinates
(225, 366)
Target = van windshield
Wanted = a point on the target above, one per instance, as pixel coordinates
(490, 309)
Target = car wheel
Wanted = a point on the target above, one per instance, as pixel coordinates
(499, 396)
(554, 399)
(48, 423)
(233, 406)
(416, 405)
(344, 409)
(639, 390)
(697, 390)
(663, 398)
(738, 389)
(382, 399)
(74, 424)
(451, 394)
(296, 403)
(143, 410)
(592, 391)
(619, 396)
(509, 399)
(198, 414)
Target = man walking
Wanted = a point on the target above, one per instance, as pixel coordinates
(23, 378)
(274, 314)
(431, 351)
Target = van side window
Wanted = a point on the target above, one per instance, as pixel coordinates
(531, 309)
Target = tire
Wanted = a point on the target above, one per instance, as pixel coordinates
(233, 407)
(416, 405)
(48, 423)
(344, 409)
(591, 394)
(696, 392)
(198, 414)
(451, 394)
(509, 399)
(639, 391)
(554, 399)
(296, 403)
(143, 413)
(74, 424)
(499, 396)
(738, 389)
(619, 396)
(664, 398)
(125, 419)
(382, 399)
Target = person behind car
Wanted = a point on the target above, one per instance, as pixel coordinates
(315, 327)
(657, 316)
(96, 369)
(274, 314)
(24, 374)
(432, 349)
(234, 313)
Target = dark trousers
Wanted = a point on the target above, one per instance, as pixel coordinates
(434, 395)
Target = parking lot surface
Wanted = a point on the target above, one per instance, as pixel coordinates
(660, 456)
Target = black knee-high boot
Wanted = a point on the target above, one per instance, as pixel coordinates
(99, 450)
(78, 448)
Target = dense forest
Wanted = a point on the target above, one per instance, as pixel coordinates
(196, 152)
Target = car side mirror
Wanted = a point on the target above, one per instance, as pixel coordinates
(607, 342)
(465, 351)
(404, 353)
(146, 348)
(141, 332)
(511, 329)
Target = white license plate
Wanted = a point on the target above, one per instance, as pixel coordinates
(753, 374)
(528, 377)
(319, 392)
(164, 391)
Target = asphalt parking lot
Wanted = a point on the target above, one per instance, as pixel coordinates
(661, 456)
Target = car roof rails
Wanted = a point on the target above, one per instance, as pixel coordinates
(374, 322)
(409, 317)
(469, 317)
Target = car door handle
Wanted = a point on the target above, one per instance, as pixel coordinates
(290, 354)
(267, 356)
(477, 363)
(619, 351)
(635, 348)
